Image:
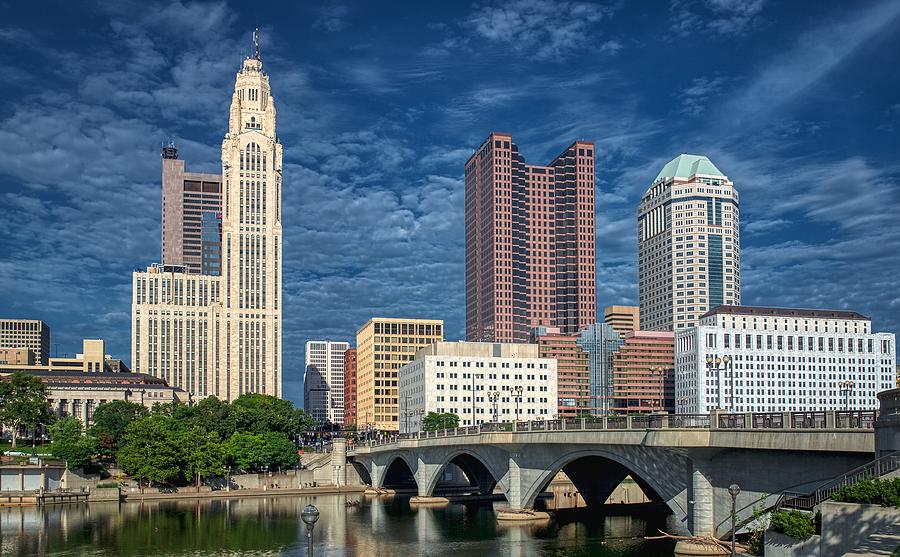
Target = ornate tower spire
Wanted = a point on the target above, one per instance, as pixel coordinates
(256, 42)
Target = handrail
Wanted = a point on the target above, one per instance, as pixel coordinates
(874, 469)
(851, 420)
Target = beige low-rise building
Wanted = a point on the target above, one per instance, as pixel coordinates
(80, 383)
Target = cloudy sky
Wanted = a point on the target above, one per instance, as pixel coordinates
(379, 105)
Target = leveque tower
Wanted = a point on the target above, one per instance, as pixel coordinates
(221, 335)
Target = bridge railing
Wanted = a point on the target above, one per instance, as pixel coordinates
(832, 419)
(807, 501)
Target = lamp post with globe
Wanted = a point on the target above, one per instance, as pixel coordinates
(309, 515)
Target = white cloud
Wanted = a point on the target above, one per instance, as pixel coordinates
(720, 17)
(549, 28)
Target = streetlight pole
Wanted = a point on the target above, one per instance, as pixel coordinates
(716, 364)
(309, 515)
(494, 396)
(846, 390)
(733, 490)
(406, 412)
(518, 396)
(473, 398)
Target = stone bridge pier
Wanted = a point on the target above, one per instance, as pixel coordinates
(692, 481)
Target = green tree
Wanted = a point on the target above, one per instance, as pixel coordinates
(245, 450)
(23, 403)
(70, 443)
(110, 420)
(434, 421)
(263, 413)
(213, 415)
(203, 454)
(279, 451)
(149, 450)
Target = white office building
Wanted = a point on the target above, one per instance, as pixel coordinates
(782, 360)
(323, 381)
(479, 382)
(689, 257)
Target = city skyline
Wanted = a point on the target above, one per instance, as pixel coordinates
(374, 172)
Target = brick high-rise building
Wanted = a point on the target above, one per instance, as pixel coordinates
(383, 346)
(350, 387)
(573, 369)
(27, 333)
(186, 196)
(530, 242)
(644, 373)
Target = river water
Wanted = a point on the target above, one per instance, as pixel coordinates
(379, 527)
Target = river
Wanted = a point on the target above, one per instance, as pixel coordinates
(379, 527)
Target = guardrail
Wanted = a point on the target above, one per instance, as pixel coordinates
(825, 419)
(807, 501)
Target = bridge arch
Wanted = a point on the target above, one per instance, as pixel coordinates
(399, 473)
(596, 473)
(479, 470)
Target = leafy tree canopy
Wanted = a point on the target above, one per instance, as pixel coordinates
(70, 443)
(110, 420)
(150, 450)
(434, 421)
(23, 403)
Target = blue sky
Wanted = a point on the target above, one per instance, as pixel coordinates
(379, 105)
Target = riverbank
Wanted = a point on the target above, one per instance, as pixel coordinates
(241, 493)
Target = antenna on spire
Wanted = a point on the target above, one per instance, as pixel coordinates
(256, 41)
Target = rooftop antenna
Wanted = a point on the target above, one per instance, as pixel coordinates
(256, 41)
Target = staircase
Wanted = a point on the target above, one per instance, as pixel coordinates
(873, 470)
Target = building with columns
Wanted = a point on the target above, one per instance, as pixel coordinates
(222, 335)
(79, 383)
(530, 242)
(688, 244)
(782, 360)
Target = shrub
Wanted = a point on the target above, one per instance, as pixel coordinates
(870, 492)
(794, 524)
(107, 484)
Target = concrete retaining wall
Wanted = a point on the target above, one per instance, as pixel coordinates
(779, 545)
(104, 494)
(849, 527)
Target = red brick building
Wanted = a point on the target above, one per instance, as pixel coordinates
(530, 242)
(573, 370)
(350, 387)
(644, 373)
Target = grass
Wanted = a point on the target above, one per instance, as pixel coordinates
(25, 447)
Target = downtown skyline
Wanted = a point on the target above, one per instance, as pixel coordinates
(377, 135)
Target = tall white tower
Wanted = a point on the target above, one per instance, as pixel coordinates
(221, 335)
(689, 257)
(251, 236)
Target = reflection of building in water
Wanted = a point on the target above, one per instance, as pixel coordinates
(564, 494)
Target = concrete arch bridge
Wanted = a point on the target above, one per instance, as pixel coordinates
(686, 462)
